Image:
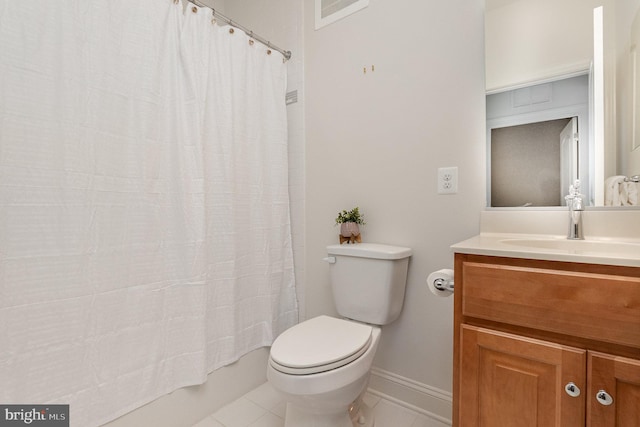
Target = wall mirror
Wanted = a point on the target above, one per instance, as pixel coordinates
(538, 142)
(532, 49)
(635, 82)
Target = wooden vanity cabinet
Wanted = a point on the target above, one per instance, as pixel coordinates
(537, 342)
(622, 375)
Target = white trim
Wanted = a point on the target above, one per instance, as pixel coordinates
(635, 98)
(416, 396)
(598, 104)
(580, 70)
(578, 110)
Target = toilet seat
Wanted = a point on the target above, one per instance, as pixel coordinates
(318, 345)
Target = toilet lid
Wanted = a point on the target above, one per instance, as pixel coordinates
(319, 344)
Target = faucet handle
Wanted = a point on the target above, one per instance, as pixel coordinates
(576, 185)
(574, 189)
(574, 199)
(574, 192)
(577, 202)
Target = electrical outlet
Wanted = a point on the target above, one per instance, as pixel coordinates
(448, 180)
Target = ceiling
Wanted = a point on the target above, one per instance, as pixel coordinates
(494, 4)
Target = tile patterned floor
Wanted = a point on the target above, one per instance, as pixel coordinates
(262, 407)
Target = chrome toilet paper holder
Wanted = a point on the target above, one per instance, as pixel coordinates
(443, 284)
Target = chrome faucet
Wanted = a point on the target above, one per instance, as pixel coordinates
(576, 206)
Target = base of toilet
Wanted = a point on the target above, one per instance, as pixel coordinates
(325, 399)
(358, 415)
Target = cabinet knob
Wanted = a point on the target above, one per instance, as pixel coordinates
(604, 398)
(572, 389)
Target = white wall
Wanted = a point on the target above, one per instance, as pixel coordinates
(375, 140)
(532, 40)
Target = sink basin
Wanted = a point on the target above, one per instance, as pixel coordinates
(576, 246)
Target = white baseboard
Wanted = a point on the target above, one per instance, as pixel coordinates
(419, 397)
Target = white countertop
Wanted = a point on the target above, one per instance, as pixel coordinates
(612, 236)
(624, 252)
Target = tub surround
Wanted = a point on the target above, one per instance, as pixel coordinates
(187, 405)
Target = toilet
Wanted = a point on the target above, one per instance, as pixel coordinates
(321, 366)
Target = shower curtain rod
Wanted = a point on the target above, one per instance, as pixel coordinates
(285, 53)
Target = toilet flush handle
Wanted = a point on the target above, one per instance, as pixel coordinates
(330, 259)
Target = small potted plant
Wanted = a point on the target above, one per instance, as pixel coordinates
(350, 222)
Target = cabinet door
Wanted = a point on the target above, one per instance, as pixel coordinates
(619, 377)
(509, 380)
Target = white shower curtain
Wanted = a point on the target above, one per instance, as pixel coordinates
(144, 214)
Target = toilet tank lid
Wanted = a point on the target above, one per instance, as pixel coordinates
(369, 250)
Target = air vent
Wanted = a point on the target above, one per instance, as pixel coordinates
(329, 11)
(292, 97)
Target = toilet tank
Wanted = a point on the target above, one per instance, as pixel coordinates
(368, 280)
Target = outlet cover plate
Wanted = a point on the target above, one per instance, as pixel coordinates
(448, 180)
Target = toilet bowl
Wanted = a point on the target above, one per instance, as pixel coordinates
(322, 365)
(323, 384)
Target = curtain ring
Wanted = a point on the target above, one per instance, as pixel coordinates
(268, 51)
(250, 42)
(231, 30)
(194, 9)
